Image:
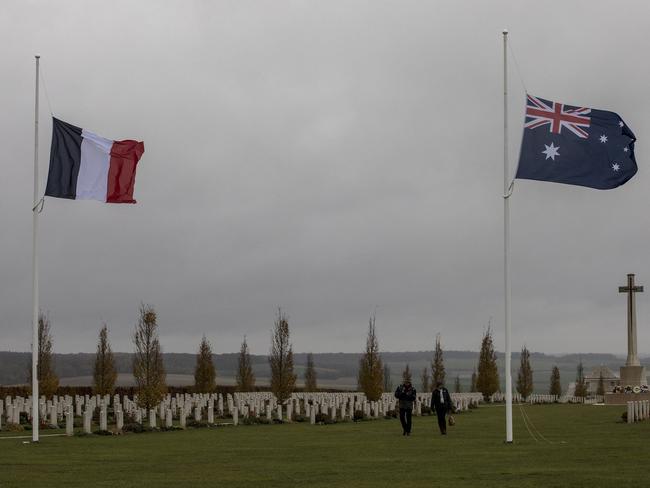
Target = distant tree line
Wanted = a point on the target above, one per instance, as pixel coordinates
(373, 375)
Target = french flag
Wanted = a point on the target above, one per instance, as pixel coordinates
(86, 166)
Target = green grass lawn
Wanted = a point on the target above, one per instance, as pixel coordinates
(584, 446)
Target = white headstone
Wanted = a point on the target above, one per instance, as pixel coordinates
(119, 420)
(87, 421)
(69, 421)
(168, 418)
(211, 414)
(182, 418)
(103, 421)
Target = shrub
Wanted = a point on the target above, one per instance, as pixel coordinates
(391, 414)
(11, 427)
(426, 410)
(624, 416)
(359, 415)
(103, 432)
(255, 421)
(197, 424)
(300, 418)
(134, 427)
(323, 418)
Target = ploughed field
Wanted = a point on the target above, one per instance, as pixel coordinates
(580, 445)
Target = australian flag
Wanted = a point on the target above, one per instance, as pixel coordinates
(575, 145)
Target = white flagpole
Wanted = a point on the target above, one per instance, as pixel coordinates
(506, 239)
(35, 310)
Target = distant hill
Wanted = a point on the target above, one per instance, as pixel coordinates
(335, 370)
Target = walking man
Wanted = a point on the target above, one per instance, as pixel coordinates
(405, 393)
(441, 403)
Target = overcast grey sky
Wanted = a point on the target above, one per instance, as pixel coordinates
(331, 158)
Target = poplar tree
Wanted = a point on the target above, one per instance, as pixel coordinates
(525, 374)
(204, 372)
(581, 388)
(437, 365)
(425, 380)
(48, 381)
(388, 383)
(310, 374)
(472, 386)
(148, 369)
(406, 374)
(283, 380)
(487, 381)
(556, 386)
(245, 377)
(371, 378)
(601, 384)
(104, 373)
(457, 387)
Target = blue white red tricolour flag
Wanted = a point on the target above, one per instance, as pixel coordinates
(87, 166)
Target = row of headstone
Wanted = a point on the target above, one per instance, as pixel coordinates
(585, 400)
(537, 398)
(209, 407)
(500, 397)
(638, 411)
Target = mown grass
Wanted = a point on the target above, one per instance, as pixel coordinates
(584, 446)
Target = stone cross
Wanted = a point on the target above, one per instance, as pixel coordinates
(631, 289)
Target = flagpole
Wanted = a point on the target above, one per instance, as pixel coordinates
(35, 210)
(506, 239)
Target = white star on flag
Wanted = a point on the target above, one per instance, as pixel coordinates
(551, 151)
(625, 149)
(616, 166)
(620, 123)
(603, 138)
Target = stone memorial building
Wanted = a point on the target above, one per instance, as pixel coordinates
(610, 380)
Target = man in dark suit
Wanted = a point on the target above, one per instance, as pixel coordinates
(405, 393)
(441, 403)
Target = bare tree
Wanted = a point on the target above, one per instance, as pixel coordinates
(370, 378)
(601, 384)
(556, 386)
(245, 376)
(283, 380)
(425, 380)
(148, 368)
(581, 386)
(388, 383)
(457, 387)
(310, 374)
(525, 374)
(204, 373)
(487, 381)
(104, 373)
(48, 381)
(438, 364)
(407, 376)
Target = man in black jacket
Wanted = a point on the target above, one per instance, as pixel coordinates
(405, 393)
(441, 403)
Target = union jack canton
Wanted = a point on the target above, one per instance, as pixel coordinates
(557, 116)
